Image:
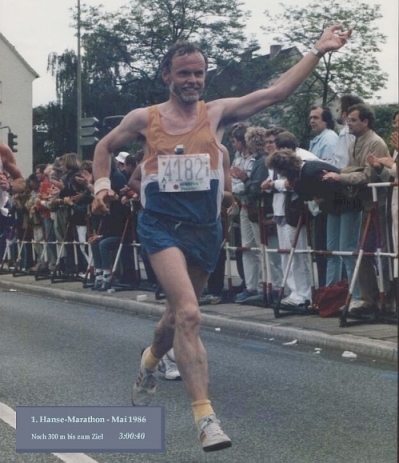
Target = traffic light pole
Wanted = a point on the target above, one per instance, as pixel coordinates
(79, 91)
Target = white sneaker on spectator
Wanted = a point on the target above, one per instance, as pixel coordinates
(288, 301)
(168, 367)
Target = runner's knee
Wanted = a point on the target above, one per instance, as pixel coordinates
(188, 319)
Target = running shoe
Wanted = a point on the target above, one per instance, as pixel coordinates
(168, 367)
(144, 388)
(211, 434)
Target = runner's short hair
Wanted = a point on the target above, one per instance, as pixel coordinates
(181, 48)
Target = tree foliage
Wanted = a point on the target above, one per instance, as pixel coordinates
(383, 121)
(354, 68)
(122, 50)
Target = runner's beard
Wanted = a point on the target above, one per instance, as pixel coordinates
(179, 93)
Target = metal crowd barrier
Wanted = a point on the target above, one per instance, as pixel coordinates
(12, 262)
(379, 315)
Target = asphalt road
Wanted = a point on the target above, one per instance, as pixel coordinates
(278, 403)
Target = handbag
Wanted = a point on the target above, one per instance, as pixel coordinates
(329, 299)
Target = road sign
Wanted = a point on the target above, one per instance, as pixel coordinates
(87, 131)
(87, 141)
(88, 121)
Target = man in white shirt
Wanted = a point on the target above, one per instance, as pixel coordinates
(340, 157)
(299, 276)
(322, 125)
(323, 145)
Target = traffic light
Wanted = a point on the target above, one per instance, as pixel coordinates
(11, 141)
(88, 131)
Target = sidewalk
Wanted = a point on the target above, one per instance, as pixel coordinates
(376, 340)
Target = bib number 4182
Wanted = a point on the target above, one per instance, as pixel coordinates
(184, 172)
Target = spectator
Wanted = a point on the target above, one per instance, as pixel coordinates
(35, 220)
(78, 203)
(57, 172)
(392, 165)
(299, 274)
(69, 189)
(343, 221)
(108, 239)
(215, 284)
(130, 164)
(323, 146)
(23, 229)
(255, 138)
(42, 172)
(120, 159)
(341, 157)
(241, 160)
(361, 124)
(322, 125)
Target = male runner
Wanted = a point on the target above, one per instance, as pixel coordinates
(181, 196)
(11, 179)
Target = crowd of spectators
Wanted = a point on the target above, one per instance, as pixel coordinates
(51, 228)
(272, 180)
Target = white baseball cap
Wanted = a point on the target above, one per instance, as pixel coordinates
(122, 156)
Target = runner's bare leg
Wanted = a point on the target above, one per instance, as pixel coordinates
(182, 287)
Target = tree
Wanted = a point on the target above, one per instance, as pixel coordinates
(54, 131)
(122, 50)
(383, 121)
(352, 69)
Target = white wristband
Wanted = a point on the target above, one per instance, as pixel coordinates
(102, 183)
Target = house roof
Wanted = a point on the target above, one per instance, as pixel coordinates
(13, 49)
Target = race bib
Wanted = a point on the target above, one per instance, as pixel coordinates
(184, 172)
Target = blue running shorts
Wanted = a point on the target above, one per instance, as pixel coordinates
(200, 243)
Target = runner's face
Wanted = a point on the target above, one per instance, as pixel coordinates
(186, 77)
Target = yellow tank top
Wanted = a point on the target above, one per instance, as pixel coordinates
(198, 140)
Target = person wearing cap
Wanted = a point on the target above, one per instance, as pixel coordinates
(120, 159)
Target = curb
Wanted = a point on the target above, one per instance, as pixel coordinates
(384, 350)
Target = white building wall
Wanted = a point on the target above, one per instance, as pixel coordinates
(16, 103)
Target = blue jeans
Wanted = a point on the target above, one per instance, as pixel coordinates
(343, 234)
(102, 251)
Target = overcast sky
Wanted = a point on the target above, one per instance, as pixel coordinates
(39, 27)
